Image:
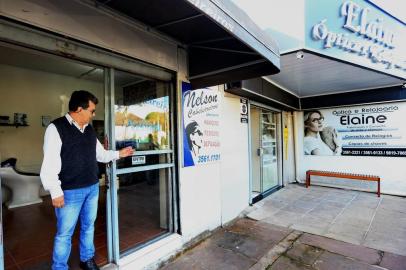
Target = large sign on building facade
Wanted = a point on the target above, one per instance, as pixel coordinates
(358, 32)
(369, 130)
(201, 125)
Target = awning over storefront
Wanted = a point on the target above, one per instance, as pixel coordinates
(223, 43)
(262, 91)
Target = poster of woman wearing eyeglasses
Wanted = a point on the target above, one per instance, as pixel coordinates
(201, 123)
(370, 130)
(319, 138)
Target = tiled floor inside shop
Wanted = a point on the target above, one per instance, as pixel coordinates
(355, 217)
(29, 230)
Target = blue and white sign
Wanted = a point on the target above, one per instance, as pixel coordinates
(358, 32)
(368, 130)
(201, 124)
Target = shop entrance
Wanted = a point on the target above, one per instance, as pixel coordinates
(136, 208)
(264, 130)
(35, 89)
(142, 194)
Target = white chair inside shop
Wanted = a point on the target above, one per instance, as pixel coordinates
(25, 187)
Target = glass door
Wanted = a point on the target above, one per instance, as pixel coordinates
(1, 229)
(269, 158)
(264, 152)
(142, 192)
(256, 171)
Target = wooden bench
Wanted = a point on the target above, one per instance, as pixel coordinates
(345, 175)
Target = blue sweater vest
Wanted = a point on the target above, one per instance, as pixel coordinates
(78, 155)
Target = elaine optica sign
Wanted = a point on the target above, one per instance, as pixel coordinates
(370, 130)
(358, 32)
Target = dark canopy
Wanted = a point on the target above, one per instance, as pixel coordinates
(223, 43)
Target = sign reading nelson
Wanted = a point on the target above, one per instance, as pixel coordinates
(201, 123)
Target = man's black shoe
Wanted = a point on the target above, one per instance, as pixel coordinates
(89, 265)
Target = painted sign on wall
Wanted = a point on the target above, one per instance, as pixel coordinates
(370, 130)
(358, 32)
(201, 125)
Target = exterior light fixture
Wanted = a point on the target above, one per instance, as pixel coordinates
(299, 55)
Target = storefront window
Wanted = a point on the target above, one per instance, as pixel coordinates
(143, 207)
(143, 120)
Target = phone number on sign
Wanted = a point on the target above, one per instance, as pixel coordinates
(208, 158)
(391, 153)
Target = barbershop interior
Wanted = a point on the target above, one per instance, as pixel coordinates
(135, 208)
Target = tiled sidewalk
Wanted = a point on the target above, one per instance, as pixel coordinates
(314, 229)
(354, 217)
(253, 245)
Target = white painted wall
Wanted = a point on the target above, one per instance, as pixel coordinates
(200, 199)
(199, 186)
(234, 171)
(390, 169)
(214, 194)
(35, 93)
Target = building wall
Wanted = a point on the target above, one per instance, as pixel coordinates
(234, 172)
(209, 195)
(390, 169)
(214, 194)
(94, 26)
(200, 199)
(35, 93)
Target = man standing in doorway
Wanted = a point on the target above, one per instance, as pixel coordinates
(70, 173)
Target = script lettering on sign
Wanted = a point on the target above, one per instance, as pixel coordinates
(378, 40)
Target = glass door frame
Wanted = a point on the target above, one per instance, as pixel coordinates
(279, 144)
(1, 230)
(112, 171)
(91, 55)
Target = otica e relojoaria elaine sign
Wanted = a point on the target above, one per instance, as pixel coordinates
(358, 32)
(201, 125)
(370, 130)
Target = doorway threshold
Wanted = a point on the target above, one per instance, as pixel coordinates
(152, 254)
(265, 194)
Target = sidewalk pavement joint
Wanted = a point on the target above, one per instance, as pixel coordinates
(339, 230)
(274, 253)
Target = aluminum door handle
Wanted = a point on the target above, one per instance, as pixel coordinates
(260, 152)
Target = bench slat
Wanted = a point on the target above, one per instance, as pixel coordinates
(361, 177)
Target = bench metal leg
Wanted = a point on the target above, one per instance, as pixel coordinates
(307, 179)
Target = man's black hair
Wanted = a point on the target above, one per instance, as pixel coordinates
(81, 98)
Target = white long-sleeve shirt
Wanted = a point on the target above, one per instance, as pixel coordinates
(52, 163)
